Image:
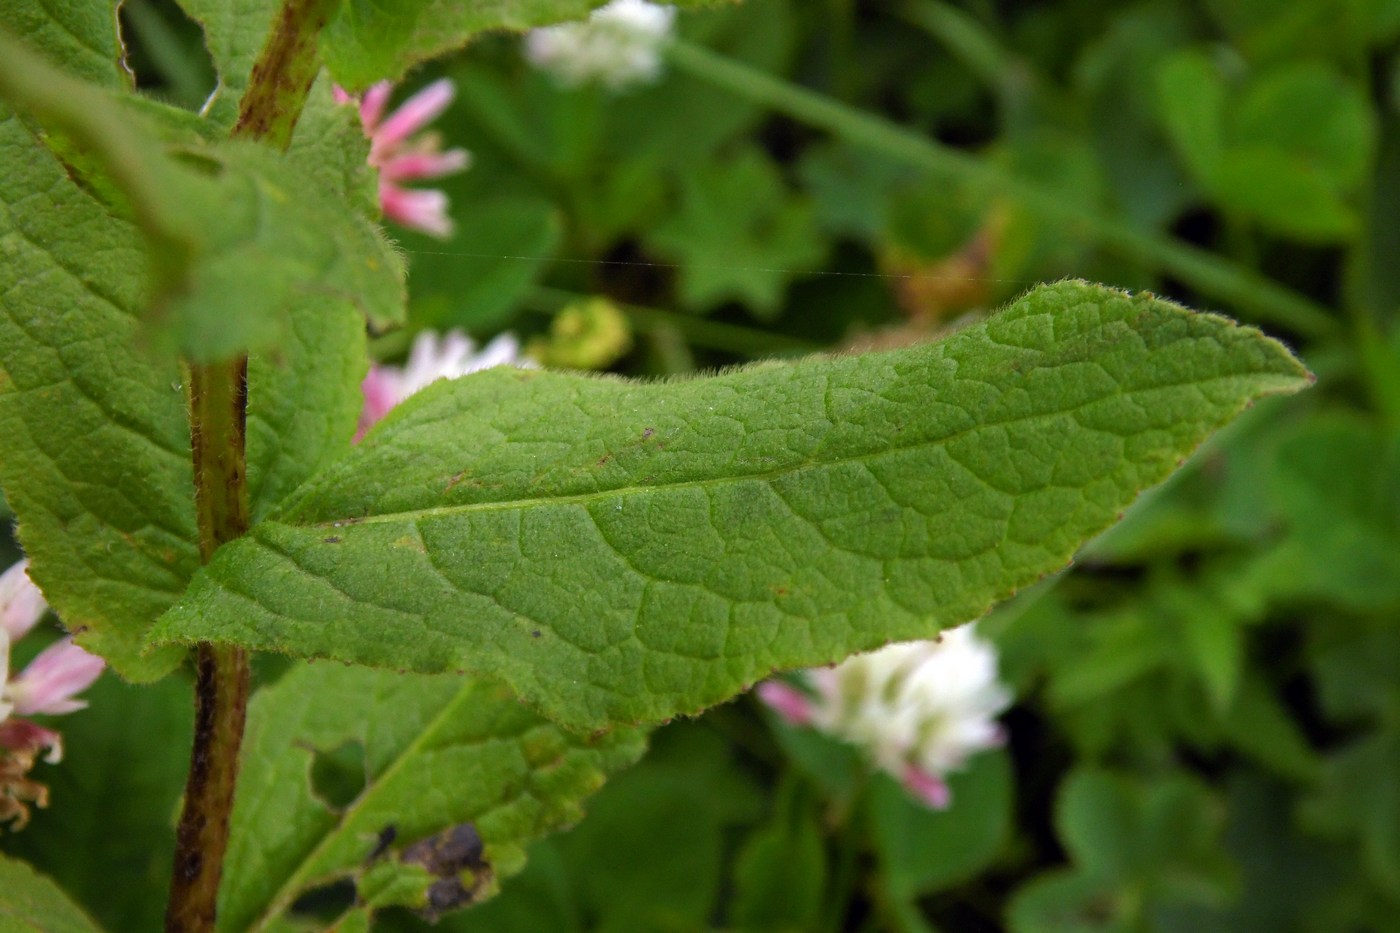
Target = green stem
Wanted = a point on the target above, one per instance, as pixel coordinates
(284, 73)
(218, 397)
(1233, 286)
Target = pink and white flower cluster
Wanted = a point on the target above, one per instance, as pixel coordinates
(433, 357)
(48, 685)
(919, 709)
(402, 154)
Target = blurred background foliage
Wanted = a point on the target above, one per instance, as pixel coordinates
(1207, 733)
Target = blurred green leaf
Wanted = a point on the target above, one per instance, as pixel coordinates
(780, 872)
(1066, 902)
(922, 851)
(1191, 96)
(80, 404)
(1136, 847)
(1283, 147)
(1310, 112)
(1337, 484)
(1115, 80)
(496, 256)
(1360, 797)
(739, 235)
(31, 903)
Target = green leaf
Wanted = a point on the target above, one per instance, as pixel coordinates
(81, 36)
(304, 399)
(234, 34)
(235, 234)
(921, 850)
(329, 144)
(739, 235)
(31, 903)
(625, 552)
(780, 873)
(1312, 113)
(1280, 191)
(1064, 902)
(94, 448)
(371, 41)
(1337, 484)
(1191, 99)
(1162, 837)
(650, 856)
(1360, 798)
(1283, 150)
(428, 754)
(281, 239)
(504, 250)
(108, 834)
(83, 401)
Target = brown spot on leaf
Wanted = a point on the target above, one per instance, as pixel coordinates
(457, 858)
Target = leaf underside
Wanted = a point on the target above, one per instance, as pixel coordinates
(622, 552)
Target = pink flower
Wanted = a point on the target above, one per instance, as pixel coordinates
(400, 156)
(48, 685)
(432, 358)
(21, 603)
(52, 679)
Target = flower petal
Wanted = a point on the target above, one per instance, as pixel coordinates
(51, 680)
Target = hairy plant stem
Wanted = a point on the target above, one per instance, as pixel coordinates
(1238, 287)
(218, 398)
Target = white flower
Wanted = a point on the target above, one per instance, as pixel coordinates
(919, 709)
(618, 45)
(432, 358)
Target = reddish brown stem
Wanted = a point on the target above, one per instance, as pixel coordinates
(218, 422)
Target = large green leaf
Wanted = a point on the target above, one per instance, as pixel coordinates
(79, 34)
(31, 903)
(94, 446)
(235, 233)
(94, 451)
(340, 762)
(628, 552)
(370, 41)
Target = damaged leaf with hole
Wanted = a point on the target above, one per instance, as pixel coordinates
(423, 790)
